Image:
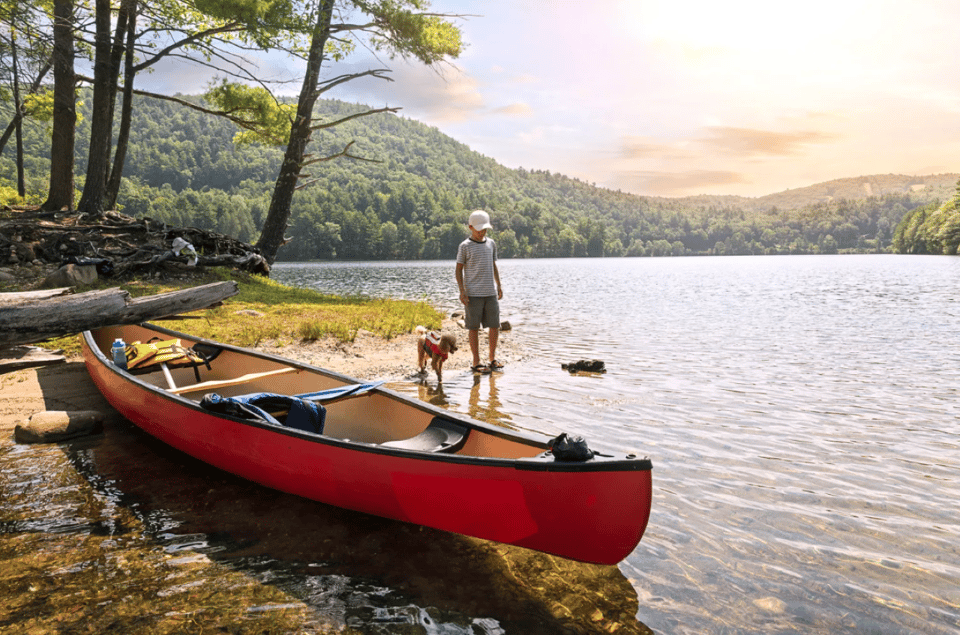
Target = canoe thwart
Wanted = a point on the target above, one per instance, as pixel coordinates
(242, 379)
(442, 435)
(341, 392)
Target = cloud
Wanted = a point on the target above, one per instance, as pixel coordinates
(748, 142)
(676, 183)
(452, 97)
(526, 78)
(741, 142)
(639, 148)
(514, 110)
(171, 76)
(422, 93)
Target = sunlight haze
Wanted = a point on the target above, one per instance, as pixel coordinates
(685, 97)
(674, 98)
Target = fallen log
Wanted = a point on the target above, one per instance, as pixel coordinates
(36, 319)
(28, 357)
(22, 296)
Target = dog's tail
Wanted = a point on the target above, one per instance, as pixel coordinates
(421, 330)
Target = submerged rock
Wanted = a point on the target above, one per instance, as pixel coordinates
(53, 426)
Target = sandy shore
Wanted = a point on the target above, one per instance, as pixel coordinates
(372, 357)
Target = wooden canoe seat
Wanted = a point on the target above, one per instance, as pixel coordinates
(442, 435)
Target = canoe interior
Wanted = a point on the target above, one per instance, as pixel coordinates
(376, 418)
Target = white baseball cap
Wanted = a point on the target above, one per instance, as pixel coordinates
(480, 220)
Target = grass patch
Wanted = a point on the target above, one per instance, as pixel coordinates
(265, 310)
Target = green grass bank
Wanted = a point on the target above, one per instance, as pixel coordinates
(265, 310)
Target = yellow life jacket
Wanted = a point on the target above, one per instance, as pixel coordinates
(171, 352)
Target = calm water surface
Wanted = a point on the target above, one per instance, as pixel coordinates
(802, 415)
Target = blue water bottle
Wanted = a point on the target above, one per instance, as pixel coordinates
(119, 350)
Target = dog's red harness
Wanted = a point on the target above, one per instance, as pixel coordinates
(431, 344)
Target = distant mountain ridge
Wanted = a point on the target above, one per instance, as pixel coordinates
(928, 188)
(410, 199)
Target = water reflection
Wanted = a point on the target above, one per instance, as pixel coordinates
(431, 393)
(484, 402)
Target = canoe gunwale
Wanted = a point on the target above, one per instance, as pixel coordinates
(541, 462)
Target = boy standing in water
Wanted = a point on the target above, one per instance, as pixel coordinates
(480, 291)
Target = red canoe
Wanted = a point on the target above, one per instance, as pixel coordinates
(374, 450)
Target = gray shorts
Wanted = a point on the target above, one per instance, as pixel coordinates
(482, 311)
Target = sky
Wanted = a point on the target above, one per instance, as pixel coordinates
(685, 97)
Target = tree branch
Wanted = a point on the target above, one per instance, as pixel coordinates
(330, 84)
(193, 38)
(345, 153)
(365, 113)
(227, 114)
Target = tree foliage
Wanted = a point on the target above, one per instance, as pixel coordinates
(930, 229)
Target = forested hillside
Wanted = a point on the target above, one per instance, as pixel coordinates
(183, 168)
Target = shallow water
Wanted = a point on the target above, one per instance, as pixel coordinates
(119, 533)
(801, 414)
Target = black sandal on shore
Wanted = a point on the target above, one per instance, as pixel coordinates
(495, 365)
(482, 369)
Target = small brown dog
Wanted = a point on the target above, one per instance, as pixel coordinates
(433, 346)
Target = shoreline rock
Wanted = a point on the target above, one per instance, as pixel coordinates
(54, 426)
(585, 365)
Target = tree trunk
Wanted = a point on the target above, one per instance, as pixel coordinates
(271, 238)
(21, 177)
(18, 108)
(126, 112)
(101, 122)
(9, 131)
(60, 195)
(18, 116)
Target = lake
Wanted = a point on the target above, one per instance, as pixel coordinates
(801, 413)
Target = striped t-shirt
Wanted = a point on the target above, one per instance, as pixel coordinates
(477, 260)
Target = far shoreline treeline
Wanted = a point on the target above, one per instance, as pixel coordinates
(410, 204)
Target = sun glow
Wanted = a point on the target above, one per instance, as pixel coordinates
(818, 35)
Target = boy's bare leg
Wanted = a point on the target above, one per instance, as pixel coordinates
(494, 336)
(474, 338)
